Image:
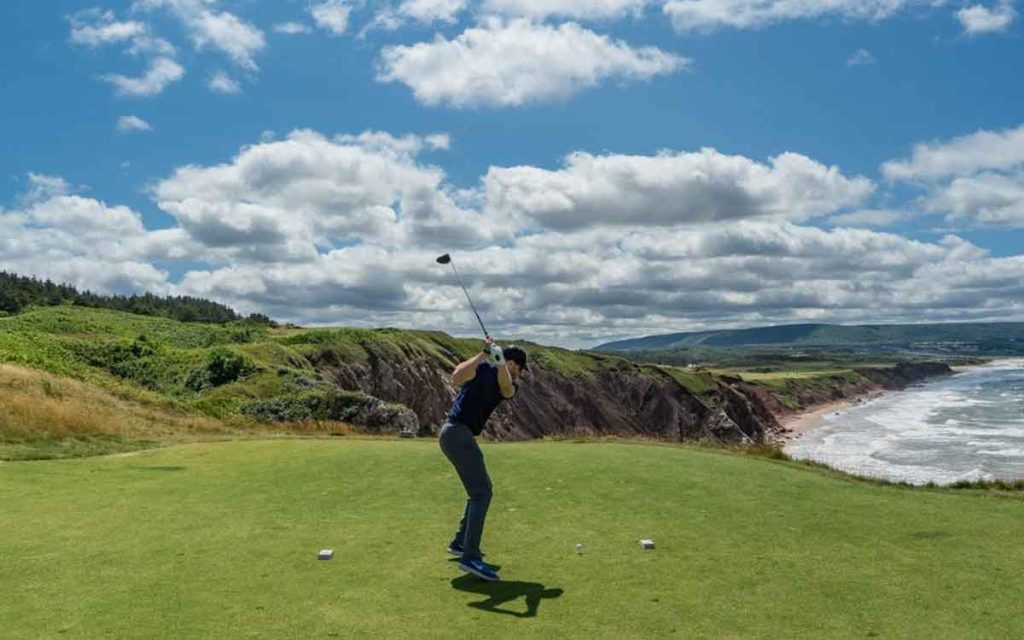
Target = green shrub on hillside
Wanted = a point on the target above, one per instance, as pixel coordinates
(223, 366)
(312, 405)
(137, 361)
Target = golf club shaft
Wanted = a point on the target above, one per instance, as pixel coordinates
(471, 305)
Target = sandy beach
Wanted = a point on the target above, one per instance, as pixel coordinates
(799, 423)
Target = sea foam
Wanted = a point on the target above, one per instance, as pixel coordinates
(967, 427)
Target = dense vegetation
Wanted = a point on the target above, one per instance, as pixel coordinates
(18, 293)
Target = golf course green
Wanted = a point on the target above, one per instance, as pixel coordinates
(220, 540)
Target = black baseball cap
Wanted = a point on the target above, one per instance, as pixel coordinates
(517, 355)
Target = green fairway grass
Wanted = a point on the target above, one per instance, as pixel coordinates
(220, 540)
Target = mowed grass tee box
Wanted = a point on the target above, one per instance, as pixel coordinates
(221, 540)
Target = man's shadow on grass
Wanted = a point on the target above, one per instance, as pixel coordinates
(498, 593)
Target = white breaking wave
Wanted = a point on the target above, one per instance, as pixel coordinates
(966, 427)
(1007, 453)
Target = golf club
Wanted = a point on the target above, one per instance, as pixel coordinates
(447, 259)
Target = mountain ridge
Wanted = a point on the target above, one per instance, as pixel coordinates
(826, 335)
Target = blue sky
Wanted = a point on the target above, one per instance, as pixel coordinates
(558, 250)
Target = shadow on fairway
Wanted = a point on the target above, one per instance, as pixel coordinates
(498, 593)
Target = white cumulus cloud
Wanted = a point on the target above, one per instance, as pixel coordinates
(514, 63)
(979, 19)
(94, 28)
(392, 16)
(128, 124)
(860, 58)
(42, 187)
(432, 10)
(210, 28)
(978, 177)
(226, 32)
(671, 188)
(283, 200)
(162, 72)
(697, 15)
(98, 28)
(221, 82)
(987, 198)
(331, 15)
(87, 243)
(961, 156)
(292, 28)
(572, 9)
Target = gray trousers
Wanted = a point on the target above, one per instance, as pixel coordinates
(460, 447)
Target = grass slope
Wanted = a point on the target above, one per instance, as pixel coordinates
(47, 416)
(157, 354)
(219, 541)
(233, 376)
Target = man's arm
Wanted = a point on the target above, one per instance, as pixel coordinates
(505, 385)
(508, 390)
(466, 371)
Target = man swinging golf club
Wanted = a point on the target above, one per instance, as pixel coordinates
(482, 387)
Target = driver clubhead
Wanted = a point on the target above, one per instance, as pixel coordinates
(445, 259)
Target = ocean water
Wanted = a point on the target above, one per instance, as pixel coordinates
(966, 427)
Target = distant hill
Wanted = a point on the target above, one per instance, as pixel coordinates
(19, 293)
(978, 335)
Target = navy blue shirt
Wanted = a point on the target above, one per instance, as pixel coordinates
(477, 398)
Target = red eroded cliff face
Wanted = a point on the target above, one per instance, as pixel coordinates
(629, 400)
